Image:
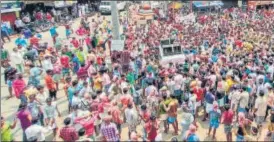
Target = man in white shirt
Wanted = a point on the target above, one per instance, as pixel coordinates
(234, 97)
(19, 24)
(18, 60)
(76, 101)
(244, 98)
(35, 130)
(178, 79)
(47, 64)
(131, 118)
(260, 108)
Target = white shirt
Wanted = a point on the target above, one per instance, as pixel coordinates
(75, 101)
(260, 105)
(178, 79)
(244, 99)
(47, 65)
(36, 131)
(234, 97)
(130, 115)
(42, 99)
(19, 23)
(16, 58)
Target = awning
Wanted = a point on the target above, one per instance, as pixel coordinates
(200, 4)
(175, 5)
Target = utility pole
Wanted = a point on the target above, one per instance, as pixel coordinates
(165, 8)
(115, 21)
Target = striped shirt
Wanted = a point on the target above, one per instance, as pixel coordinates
(110, 132)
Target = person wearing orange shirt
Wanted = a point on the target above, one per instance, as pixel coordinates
(51, 85)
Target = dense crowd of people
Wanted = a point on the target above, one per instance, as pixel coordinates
(226, 78)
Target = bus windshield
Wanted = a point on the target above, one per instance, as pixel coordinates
(105, 3)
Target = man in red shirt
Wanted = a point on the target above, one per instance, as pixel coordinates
(227, 119)
(68, 133)
(199, 92)
(239, 43)
(38, 16)
(48, 16)
(65, 64)
(75, 43)
(151, 128)
(34, 40)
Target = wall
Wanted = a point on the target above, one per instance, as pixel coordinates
(10, 16)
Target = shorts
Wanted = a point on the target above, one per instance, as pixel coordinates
(209, 107)
(241, 110)
(259, 120)
(9, 83)
(198, 104)
(227, 128)
(52, 94)
(171, 120)
(132, 127)
(221, 102)
(213, 124)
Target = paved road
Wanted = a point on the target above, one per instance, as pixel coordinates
(9, 107)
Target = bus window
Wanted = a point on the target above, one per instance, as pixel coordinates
(165, 42)
(177, 49)
(105, 3)
(167, 51)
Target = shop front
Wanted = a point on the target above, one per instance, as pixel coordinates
(9, 12)
(62, 8)
(253, 5)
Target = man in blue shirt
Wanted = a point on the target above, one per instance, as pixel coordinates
(53, 33)
(71, 91)
(209, 99)
(21, 41)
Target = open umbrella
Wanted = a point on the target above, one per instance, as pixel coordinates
(175, 5)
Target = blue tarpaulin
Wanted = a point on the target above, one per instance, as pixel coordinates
(199, 4)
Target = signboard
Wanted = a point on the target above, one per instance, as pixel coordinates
(60, 3)
(70, 2)
(10, 6)
(117, 45)
(10, 10)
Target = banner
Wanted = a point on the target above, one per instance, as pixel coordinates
(252, 5)
(264, 2)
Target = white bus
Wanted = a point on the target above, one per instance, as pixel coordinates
(170, 51)
(105, 6)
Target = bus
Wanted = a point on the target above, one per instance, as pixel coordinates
(105, 6)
